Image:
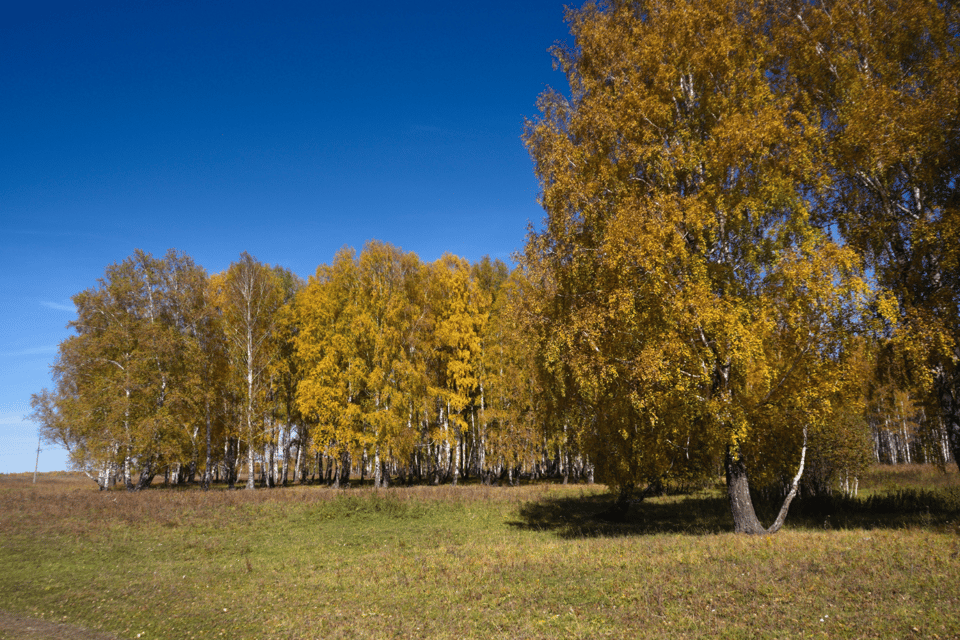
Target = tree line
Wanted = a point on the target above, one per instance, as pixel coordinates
(749, 265)
(380, 364)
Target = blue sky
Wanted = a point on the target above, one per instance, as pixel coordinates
(287, 130)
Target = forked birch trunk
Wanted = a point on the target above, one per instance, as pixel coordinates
(738, 491)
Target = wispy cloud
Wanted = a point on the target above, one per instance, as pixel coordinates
(15, 428)
(57, 306)
(16, 417)
(16, 432)
(30, 351)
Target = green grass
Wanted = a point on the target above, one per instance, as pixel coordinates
(477, 562)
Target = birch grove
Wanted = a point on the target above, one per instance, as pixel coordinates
(749, 266)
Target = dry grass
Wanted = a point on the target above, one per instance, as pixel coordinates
(882, 478)
(471, 562)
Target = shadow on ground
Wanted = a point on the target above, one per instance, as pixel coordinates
(595, 515)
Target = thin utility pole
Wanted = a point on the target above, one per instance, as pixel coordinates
(37, 465)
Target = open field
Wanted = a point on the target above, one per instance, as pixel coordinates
(475, 562)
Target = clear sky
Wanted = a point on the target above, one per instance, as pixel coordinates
(285, 129)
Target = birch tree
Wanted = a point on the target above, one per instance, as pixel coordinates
(325, 309)
(693, 309)
(519, 428)
(248, 296)
(459, 310)
(122, 379)
(285, 372)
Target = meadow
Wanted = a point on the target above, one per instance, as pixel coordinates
(535, 561)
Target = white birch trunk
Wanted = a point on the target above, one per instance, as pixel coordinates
(906, 443)
(299, 477)
(456, 460)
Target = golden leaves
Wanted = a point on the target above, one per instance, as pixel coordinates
(692, 288)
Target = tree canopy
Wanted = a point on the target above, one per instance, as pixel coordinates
(700, 298)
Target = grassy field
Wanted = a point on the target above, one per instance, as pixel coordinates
(478, 562)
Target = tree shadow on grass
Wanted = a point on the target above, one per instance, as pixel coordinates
(590, 516)
(937, 509)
